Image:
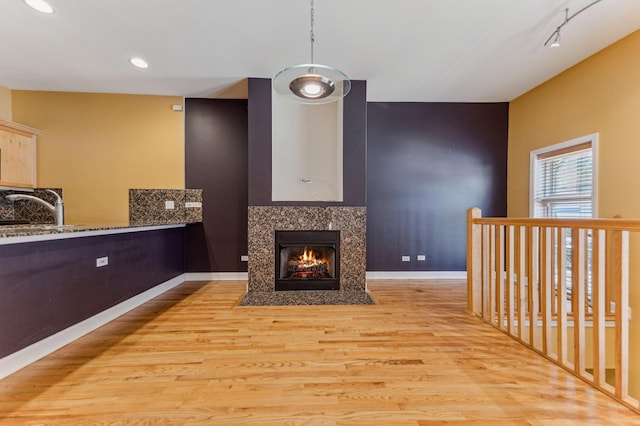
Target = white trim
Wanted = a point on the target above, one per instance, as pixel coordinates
(217, 276)
(20, 359)
(371, 275)
(417, 275)
(593, 138)
(79, 231)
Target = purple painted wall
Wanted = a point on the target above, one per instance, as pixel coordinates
(427, 164)
(216, 162)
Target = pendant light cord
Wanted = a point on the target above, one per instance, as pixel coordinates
(312, 35)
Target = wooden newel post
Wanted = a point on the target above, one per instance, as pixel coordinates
(474, 261)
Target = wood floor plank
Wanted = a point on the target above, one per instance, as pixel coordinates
(191, 357)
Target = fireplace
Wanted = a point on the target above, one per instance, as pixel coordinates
(307, 260)
(346, 229)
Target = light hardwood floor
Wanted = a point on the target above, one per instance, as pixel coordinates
(191, 357)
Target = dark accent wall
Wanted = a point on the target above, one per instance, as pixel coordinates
(48, 286)
(354, 146)
(417, 167)
(216, 162)
(260, 131)
(427, 164)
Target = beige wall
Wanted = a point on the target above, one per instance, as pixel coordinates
(601, 94)
(5, 103)
(97, 146)
(239, 90)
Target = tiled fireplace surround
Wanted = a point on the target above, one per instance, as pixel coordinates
(265, 220)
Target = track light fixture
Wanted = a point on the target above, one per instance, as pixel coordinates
(554, 38)
(312, 83)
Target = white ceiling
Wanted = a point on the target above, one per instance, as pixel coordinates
(407, 50)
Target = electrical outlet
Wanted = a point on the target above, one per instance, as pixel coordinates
(406, 258)
(102, 261)
(169, 205)
(244, 258)
(422, 257)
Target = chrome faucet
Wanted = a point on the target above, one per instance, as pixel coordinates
(57, 210)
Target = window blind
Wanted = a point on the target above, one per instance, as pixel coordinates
(564, 183)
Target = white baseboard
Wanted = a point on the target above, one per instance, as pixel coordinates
(20, 359)
(371, 275)
(217, 276)
(417, 275)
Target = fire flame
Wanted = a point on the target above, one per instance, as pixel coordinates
(308, 257)
(307, 264)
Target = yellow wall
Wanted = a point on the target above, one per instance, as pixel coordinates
(5, 103)
(601, 94)
(97, 146)
(239, 90)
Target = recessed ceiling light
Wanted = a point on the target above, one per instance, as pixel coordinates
(40, 5)
(139, 62)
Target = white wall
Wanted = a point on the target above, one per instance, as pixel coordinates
(307, 145)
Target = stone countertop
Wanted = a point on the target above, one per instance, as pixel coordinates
(13, 234)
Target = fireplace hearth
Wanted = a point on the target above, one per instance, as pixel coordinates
(307, 260)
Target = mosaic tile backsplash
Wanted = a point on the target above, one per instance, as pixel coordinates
(28, 210)
(165, 206)
(6, 206)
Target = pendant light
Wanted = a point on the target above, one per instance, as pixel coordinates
(312, 83)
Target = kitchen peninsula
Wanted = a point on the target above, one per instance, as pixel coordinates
(58, 283)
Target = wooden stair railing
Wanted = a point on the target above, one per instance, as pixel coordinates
(555, 285)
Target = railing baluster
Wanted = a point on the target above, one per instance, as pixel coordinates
(554, 271)
(510, 256)
(598, 299)
(521, 282)
(546, 286)
(486, 271)
(561, 282)
(610, 291)
(621, 283)
(532, 275)
(577, 297)
(494, 273)
(500, 274)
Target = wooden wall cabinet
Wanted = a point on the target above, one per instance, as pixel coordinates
(17, 155)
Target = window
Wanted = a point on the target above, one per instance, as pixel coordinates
(563, 179)
(563, 186)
